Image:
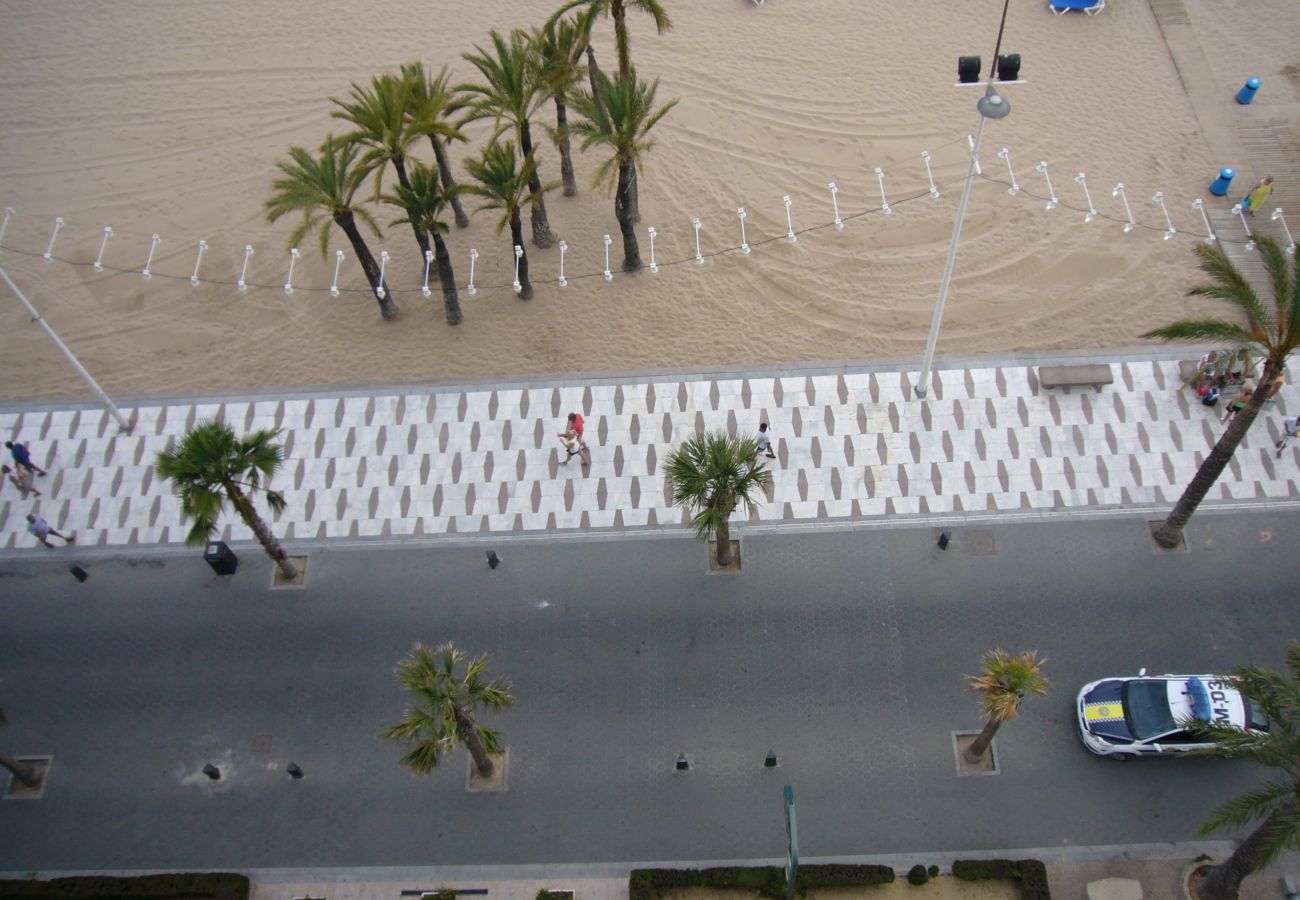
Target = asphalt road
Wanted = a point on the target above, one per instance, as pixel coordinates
(843, 650)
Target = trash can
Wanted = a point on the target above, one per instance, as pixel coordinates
(222, 559)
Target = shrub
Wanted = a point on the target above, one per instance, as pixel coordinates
(917, 874)
(934, 871)
(543, 894)
(769, 881)
(1030, 874)
(172, 886)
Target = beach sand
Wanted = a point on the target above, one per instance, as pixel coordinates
(167, 118)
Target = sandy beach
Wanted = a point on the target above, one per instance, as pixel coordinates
(167, 118)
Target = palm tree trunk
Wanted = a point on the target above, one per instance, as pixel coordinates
(631, 252)
(562, 141)
(1224, 880)
(593, 71)
(469, 735)
(260, 531)
(1170, 534)
(723, 538)
(23, 772)
(420, 238)
(448, 180)
(517, 236)
(618, 13)
(542, 235)
(980, 745)
(450, 299)
(633, 198)
(387, 308)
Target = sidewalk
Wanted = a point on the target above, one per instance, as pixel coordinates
(851, 443)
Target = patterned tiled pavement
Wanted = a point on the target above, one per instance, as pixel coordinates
(852, 443)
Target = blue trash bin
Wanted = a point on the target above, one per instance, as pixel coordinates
(1247, 92)
(1220, 185)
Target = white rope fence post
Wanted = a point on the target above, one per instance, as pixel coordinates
(383, 267)
(428, 261)
(10, 212)
(1005, 155)
(1128, 210)
(49, 251)
(99, 260)
(653, 265)
(609, 276)
(145, 273)
(789, 222)
(564, 282)
(884, 204)
(338, 264)
(1237, 211)
(744, 244)
(1210, 236)
(1054, 201)
(1082, 181)
(1170, 230)
(194, 279)
(839, 223)
(699, 260)
(1278, 217)
(519, 252)
(925, 158)
(242, 284)
(470, 289)
(288, 281)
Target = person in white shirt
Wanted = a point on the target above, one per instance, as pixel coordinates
(1290, 428)
(764, 438)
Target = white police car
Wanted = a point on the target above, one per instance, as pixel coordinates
(1148, 715)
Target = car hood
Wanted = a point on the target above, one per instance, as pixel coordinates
(1102, 711)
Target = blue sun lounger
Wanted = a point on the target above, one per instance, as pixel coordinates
(1061, 7)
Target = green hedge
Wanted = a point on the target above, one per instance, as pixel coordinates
(1030, 873)
(178, 886)
(769, 881)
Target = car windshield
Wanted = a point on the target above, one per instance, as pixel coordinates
(1146, 704)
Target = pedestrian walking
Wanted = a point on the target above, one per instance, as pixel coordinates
(1258, 195)
(22, 479)
(764, 438)
(569, 444)
(23, 457)
(41, 530)
(1239, 402)
(1290, 428)
(575, 427)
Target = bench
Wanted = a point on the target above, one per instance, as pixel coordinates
(1068, 376)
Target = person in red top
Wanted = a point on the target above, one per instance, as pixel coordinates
(575, 429)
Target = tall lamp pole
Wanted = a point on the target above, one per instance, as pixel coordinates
(991, 106)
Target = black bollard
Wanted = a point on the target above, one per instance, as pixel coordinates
(944, 538)
(212, 772)
(770, 761)
(294, 770)
(79, 573)
(682, 764)
(493, 559)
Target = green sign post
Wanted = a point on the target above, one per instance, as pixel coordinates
(792, 844)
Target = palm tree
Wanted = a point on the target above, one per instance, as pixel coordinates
(620, 121)
(712, 474)
(1002, 686)
(513, 92)
(382, 116)
(1275, 805)
(326, 186)
(23, 772)
(444, 704)
(1273, 334)
(211, 466)
(433, 102)
(425, 201)
(504, 185)
(560, 44)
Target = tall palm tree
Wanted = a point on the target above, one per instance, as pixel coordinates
(210, 467)
(1275, 805)
(560, 44)
(445, 702)
(382, 116)
(1002, 687)
(620, 122)
(23, 772)
(504, 184)
(617, 10)
(325, 186)
(513, 92)
(433, 103)
(711, 474)
(1273, 334)
(425, 201)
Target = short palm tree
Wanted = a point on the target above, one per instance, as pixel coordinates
(503, 183)
(512, 92)
(710, 475)
(1275, 805)
(23, 772)
(325, 186)
(560, 44)
(620, 122)
(1002, 687)
(444, 704)
(425, 202)
(210, 467)
(381, 116)
(1273, 334)
(433, 103)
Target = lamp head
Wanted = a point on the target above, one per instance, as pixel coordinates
(993, 105)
